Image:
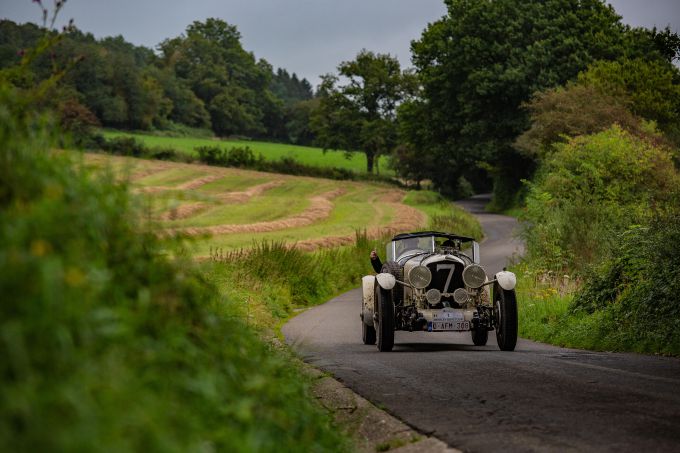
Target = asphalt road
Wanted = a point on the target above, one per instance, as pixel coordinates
(537, 398)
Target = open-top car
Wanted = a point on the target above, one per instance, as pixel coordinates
(433, 282)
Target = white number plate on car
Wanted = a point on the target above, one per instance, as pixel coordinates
(450, 325)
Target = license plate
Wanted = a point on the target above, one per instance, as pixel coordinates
(450, 325)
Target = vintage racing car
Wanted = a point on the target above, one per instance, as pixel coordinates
(433, 282)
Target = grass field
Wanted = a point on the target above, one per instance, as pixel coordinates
(223, 209)
(271, 151)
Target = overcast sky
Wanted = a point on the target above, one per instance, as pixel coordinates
(308, 37)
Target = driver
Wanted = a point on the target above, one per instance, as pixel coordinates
(375, 262)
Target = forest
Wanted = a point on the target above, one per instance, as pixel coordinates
(203, 79)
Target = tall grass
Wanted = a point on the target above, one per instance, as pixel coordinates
(271, 280)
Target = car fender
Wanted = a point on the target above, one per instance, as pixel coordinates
(368, 299)
(506, 280)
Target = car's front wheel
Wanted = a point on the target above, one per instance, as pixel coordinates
(505, 314)
(384, 325)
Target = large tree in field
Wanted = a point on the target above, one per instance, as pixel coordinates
(484, 59)
(359, 114)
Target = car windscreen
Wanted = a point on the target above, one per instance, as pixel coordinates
(415, 244)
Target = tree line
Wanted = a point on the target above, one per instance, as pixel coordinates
(203, 78)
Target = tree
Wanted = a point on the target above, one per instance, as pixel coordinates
(298, 119)
(360, 114)
(653, 88)
(289, 88)
(563, 112)
(231, 83)
(483, 60)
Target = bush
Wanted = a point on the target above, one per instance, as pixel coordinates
(125, 146)
(637, 290)
(108, 345)
(589, 191)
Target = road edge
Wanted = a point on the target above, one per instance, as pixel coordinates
(370, 428)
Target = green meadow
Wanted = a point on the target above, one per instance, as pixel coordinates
(306, 155)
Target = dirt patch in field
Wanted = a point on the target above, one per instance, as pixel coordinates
(242, 197)
(142, 172)
(188, 210)
(183, 211)
(198, 182)
(407, 219)
(189, 185)
(393, 196)
(320, 208)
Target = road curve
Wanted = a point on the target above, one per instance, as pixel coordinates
(537, 398)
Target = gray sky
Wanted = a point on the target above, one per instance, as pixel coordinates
(309, 37)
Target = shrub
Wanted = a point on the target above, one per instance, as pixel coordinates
(211, 155)
(638, 288)
(591, 189)
(125, 146)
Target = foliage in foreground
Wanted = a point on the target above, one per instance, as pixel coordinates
(106, 344)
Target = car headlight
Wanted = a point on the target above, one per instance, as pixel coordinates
(420, 277)
(461, 296)
(434, 296)
(474, 276)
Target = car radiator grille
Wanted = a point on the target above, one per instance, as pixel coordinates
(440, 274)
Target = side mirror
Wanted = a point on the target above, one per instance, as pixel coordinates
(386, 281)
(506, 280)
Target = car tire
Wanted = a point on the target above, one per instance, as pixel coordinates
(384, 326)
(367, 333)
(392, 267)
(505, 314)
(480, 336)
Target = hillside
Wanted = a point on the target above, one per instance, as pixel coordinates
(227, 209)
